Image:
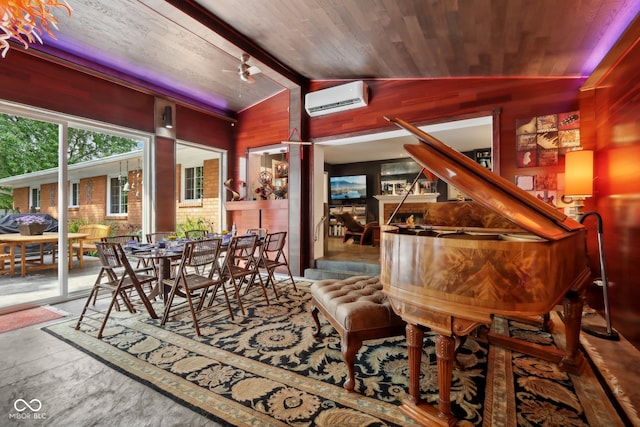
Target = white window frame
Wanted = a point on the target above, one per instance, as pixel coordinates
(34, 204)
(122, 180)
(75, 184)
(184, 182)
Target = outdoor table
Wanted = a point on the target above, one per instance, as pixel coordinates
(14, 240)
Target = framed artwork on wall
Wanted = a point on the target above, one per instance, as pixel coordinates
(525, 182)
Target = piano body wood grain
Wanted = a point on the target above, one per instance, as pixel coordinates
(452, 278)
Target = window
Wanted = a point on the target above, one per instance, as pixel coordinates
(118, 202)
(74, 194)
(193, 183)
(34, 203)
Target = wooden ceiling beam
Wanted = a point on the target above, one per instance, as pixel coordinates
(224, 30)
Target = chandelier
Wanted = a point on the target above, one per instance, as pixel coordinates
(25, 20)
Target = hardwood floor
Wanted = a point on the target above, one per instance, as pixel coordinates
(337, 250)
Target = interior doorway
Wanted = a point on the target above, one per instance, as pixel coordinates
(463, 134)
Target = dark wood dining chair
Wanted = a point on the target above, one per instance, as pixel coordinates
(119, 280)
(121, 238)
(199, 289)
(196, 234)
(272, 257)
(141, 265)
(158, 236)
(240, 267)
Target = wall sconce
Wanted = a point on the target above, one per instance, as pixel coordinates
(167, 118)
(578, 180)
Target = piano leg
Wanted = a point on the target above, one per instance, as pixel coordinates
(423, 412)
(573, 360)
(446, 354)
(415, 335)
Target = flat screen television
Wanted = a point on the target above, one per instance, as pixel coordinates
(348, 187)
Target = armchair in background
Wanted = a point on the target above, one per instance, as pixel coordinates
(361, 234)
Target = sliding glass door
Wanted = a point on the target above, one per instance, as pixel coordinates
(68, 173)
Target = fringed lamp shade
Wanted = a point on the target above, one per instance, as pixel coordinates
(25, 20)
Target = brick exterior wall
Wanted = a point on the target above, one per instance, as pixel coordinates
(93, 201)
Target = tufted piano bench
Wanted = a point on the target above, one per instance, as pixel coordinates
(358, 310)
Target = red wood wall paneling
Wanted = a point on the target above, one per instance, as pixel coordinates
(34, 81)
(426, 100)
(613, 107)
(201, 128)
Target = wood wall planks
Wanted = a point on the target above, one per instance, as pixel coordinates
(30, 80)
(426, 100)
(612, 106)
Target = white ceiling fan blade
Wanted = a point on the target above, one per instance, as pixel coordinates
(246, 77)
(253, 70)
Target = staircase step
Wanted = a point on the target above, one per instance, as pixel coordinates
(338, 269)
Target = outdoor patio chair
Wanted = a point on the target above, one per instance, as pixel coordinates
(4, 257)
(272, 257)
(116, 277)
(199, 289)
(95, 233)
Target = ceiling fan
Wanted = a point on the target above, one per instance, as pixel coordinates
(246, 71)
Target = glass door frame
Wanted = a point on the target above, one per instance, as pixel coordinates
(64, 122)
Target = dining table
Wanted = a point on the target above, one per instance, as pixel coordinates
(29, 263)
(163, 257)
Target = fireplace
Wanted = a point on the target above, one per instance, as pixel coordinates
(414, 205)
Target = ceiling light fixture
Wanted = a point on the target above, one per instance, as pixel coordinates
(299, 142)
(25, 20)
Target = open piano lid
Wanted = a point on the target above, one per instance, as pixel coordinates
(489, 189)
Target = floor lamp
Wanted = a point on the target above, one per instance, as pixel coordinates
(607, 333)
(579, 186)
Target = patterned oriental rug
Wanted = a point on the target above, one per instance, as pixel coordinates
(267, 369)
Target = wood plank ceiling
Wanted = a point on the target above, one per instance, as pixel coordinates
(184, 48)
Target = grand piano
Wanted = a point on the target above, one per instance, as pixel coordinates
(454, 280)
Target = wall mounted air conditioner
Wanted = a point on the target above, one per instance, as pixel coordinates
(338, 98)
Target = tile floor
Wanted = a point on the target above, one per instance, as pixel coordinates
(74, 388)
